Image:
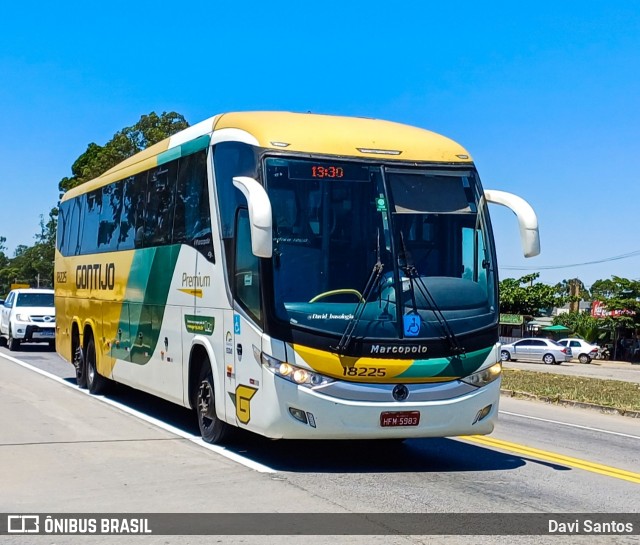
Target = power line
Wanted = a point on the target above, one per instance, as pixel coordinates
(552, 267)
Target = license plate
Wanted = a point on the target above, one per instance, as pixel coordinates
(43, 334)
(399, 418)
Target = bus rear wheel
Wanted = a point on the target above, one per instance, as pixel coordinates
(96, 383)
(79, 363)
(213, 429)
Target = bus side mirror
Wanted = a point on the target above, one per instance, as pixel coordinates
(259, 215)
(527, 219)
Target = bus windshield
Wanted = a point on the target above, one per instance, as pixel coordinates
(384, 252)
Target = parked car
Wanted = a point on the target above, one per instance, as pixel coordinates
(536, 350)
(581, 349)
(28, 315)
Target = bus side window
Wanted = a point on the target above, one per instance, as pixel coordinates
(131, 218)
(91, 221)
(192, 219)
(109, 228)
(161, 188)
(62, 227)
(246, 274)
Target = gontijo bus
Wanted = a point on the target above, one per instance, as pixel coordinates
(300, 276)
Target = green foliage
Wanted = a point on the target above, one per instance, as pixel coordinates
(523, 296)
(618, 294)
(31, 265)
(624, 396)
(96, 160)
(583, 325)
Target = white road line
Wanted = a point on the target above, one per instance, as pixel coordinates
(570, 425)
(156, 422)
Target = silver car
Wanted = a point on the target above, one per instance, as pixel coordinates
(536, 350)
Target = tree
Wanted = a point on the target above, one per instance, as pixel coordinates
(621, 298)
(523, 296)
(4, 263)
(96, 160)
(582, 324)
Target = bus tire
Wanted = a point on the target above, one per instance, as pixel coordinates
(79, 362)
(96, 383)
(213, 429)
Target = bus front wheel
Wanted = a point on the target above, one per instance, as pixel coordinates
(213, 429)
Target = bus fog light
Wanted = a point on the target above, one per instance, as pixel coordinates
(298, 414)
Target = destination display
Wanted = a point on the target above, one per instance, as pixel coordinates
(338, 171)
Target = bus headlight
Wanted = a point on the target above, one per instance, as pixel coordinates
(292, 373)
(484, 377)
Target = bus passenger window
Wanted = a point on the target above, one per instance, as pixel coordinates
(131, 218)
(246, 274)
(109, 228)
(192, 220)
(160, 201)
(90, 222)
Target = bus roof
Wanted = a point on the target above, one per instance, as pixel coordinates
(311, 133)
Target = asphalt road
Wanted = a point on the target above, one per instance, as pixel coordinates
(67, 451)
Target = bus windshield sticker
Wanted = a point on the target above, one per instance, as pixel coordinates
(411, 325)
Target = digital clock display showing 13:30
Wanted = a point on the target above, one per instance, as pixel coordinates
(312, 170)
(332, 171)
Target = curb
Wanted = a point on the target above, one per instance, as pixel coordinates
(569, 403)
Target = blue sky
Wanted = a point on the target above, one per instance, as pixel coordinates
(544, 95)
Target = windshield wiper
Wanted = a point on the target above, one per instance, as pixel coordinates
(373, 279)
(412, 274)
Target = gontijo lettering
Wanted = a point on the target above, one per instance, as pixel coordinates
(96, 276)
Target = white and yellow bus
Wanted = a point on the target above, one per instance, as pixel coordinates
(296, 275)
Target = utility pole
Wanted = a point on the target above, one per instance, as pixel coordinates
(574, 292)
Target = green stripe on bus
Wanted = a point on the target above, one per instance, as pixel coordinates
(146, 297)
(451, 366)
(169, 155)
(192, 146)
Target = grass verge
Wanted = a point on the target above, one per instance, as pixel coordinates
(624, 396)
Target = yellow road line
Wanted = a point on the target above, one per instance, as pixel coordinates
(553, 457)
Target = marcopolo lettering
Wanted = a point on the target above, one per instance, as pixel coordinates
(397, 349)
(96, 276)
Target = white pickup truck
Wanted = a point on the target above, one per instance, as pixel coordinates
(28, 315)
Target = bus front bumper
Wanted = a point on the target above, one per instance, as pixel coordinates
(301, 413)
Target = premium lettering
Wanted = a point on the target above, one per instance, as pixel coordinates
(195, 281)
(96, 276)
